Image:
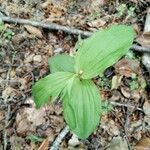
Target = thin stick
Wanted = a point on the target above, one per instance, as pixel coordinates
(140, 49)
(125, 105)
(67, 29)
(58, 140)
(51, 26)
(6, 113)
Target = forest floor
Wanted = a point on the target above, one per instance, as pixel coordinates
(24, 53)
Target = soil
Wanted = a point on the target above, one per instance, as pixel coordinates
(24, 53)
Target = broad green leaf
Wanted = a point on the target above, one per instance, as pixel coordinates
(82, 107)
(51, 85)
(102, 50)
(62, 63)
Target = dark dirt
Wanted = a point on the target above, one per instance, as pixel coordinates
(23, 61)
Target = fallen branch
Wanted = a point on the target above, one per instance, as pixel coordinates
(7, 112)
(51, 26)
(69, 30)
(58, 140)
(125, 105)
(138, 48)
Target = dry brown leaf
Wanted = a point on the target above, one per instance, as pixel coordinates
(2, 115)
(116, 82)
(146, 109)
(16, 142)
(74, 141)
(144, 40)
(33, 30)
(118, 143)
(97, 23)
(9, 92)
(29, 118)
(126, 92)
(143, 144)
(127, 67)
(44, 145)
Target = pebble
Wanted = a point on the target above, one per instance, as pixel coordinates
(37, 58)
(74, 141)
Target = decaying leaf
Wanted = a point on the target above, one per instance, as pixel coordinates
(9, 92)
(143, 144)
(44, 145)
(97, 23)
(146, 109)
(17, 142)
(127, 67)
(118, 143)
(74, 141)
(33, 30)
(116, 81)
(28, 119)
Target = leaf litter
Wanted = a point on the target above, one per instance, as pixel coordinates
(27, 56)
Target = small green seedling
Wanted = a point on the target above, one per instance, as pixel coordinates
(34, 138)
(122, 10)
(8, 34)
(5, 32)
(131, 11)
(70, 77)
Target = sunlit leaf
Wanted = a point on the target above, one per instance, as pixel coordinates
(60, 63)
(143, 144)
(51, 85)
(102, 50)
(82, 108)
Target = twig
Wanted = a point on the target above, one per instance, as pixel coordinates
(58, 140)
(140, 49)
(6, 113)
(67, 29)
(146, 56)
(126, 105)
(51, 26)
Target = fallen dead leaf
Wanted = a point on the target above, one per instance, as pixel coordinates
(18, 38)
(116, 82)
(126, 92)
(144, 39)
(33, 30)
(74, 141)
(44, 145)
(127, 67)
(146, 108)
(143, 144)
(28, 119)
(2, 115)
(97, 23)
(57, 121)
(37, 58)
(16, 142)
(9, 92)
(118, 143)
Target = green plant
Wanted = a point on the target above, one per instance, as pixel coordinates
(34, 138)
(8, 34)
(131, 11)
(122, 9)
(95, 15)
(5, 32)
(71, 77)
